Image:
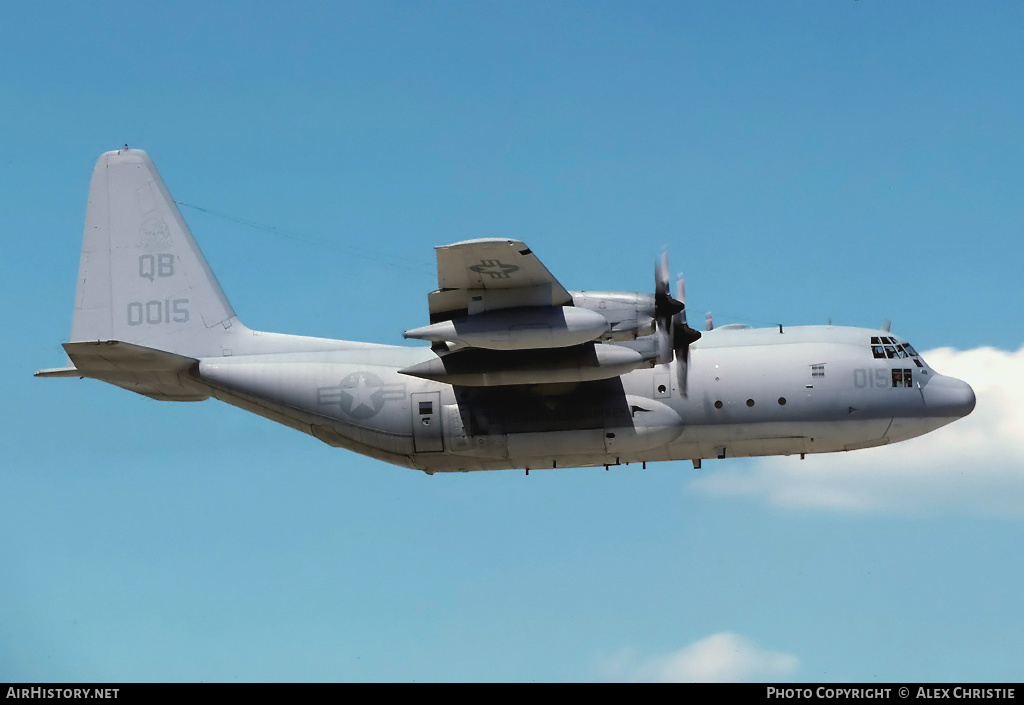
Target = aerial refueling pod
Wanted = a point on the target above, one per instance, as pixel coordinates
(488, 368)
(521, 328)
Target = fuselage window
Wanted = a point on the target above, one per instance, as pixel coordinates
(817, 370)
(878, 351)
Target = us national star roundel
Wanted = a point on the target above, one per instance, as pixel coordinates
(360, 395)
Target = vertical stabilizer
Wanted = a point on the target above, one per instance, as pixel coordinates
(142, 278)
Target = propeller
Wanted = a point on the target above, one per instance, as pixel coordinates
(674, 335)
(665, 310)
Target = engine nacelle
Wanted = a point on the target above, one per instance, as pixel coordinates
(629, 315)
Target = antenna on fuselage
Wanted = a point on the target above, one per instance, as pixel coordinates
(886, 324)
(709, 323)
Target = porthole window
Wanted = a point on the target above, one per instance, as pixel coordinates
(750, 402)
(718, 405)
(661, 389)
(782, 401)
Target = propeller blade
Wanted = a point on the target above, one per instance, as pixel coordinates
(681, 296)
(682, 370)
(665, 310)
(665, 351)
(661, 275)
(682, 337)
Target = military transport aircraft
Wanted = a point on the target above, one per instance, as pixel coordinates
(520, 372)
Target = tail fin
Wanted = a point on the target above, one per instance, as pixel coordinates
(142, 279)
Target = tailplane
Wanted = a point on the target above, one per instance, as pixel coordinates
(142, 278)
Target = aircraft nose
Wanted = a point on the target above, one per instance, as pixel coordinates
(948, 397)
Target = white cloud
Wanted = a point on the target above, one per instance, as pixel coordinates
(975, 465)
(720, 658)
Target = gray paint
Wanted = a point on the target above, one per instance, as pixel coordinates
(150, 317)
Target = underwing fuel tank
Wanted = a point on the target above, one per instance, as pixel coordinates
(490, 368)
(522, 328)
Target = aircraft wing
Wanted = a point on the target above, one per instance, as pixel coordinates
(498, 317)
(488, 274)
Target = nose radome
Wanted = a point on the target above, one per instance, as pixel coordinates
(948, 397)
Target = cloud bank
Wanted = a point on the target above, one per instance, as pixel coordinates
(973, 466)
(720, 658)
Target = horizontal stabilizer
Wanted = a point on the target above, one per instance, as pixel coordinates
(59, 372)
(152, 373)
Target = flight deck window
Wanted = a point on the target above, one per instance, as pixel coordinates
(902, 378)
(884, 347)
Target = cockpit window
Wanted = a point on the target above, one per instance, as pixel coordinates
(884, 347)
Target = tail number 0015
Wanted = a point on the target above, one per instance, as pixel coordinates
(156, 312)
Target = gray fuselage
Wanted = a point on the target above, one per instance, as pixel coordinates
(807, 389)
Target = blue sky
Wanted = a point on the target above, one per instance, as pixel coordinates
(802, 162)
